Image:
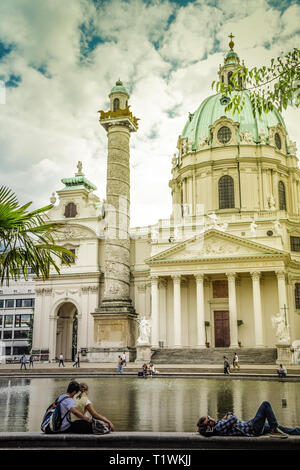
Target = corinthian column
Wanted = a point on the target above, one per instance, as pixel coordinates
(232, 310)
(200, 325)
(177, 311)
(154, 310)
(257, 311)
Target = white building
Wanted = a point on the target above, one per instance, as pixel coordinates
(224, 269)
(16, 310)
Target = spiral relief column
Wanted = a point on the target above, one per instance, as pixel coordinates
(115, 328)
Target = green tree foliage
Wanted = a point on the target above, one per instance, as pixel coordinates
(277, 85)
(26, 240)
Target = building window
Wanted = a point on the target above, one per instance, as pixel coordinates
(281, 196)
(20, 334)
(69, 259)
(8, 321)
(295, 243)
(226, 192)
(7, 334)
(277, 141)
(116, 104)
(1, 303)
(297, 295)
(70, 210)
(22, 320)
(224, 135)
(229, 78)
(1, 317)
(9, 303)
(20, 350)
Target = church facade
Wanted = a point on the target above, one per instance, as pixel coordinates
(222, 271)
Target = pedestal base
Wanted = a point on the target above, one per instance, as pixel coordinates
(284, 354)
(110, 355)
(143, 353)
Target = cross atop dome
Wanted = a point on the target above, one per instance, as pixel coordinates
(231, 44)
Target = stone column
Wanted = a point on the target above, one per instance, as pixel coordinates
(232, 310)
(163, 311)
(115, 317)
(257, 310)
(52, 337)
(177, 311)
(200, 323)
(154, 311)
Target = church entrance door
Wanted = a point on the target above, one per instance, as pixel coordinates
(222, 331)
(66, 332)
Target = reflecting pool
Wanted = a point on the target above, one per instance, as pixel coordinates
(158, 404)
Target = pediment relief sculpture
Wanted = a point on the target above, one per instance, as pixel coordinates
(72, 232)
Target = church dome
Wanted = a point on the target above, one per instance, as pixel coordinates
(213, 108)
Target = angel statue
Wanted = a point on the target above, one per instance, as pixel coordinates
(144, 331)
(282, 331)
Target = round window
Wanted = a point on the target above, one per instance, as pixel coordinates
(277, 141)
(224, 135)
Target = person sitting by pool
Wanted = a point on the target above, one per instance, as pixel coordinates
(152, 369)
(67, 408)
(84, 405)
(230, 425)
(282, 372)
(145, 370)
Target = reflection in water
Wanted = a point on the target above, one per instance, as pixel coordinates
(158, 404)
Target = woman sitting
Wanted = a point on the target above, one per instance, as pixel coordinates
(84, 405)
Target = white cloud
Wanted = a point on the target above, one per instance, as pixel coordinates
(50, 121)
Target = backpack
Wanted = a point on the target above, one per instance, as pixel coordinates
(52, 419)
(100, 427)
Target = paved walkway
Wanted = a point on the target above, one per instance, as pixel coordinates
(45, 368)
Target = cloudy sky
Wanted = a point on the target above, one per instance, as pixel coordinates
(59, 60)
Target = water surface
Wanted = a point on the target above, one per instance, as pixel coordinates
(158, 404)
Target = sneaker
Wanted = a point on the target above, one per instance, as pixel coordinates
(278, 433)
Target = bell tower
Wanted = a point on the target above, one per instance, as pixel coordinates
(114, 320)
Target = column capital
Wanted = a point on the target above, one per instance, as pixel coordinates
(280, 275)
(199, 277)
(231, 276)
(255, 275)
(176, 278)
(154, 279)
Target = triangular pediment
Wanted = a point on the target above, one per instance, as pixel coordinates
(214, 244)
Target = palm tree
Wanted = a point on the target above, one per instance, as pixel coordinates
(26, 240)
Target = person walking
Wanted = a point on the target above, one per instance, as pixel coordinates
(31, 361)
(61, 360)
(230, 425)
(23, 362)
(235, 361)
(226, 365)
(120, 365)
(124, 359)
(76, 363)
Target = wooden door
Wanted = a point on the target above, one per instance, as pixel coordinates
(222, 331)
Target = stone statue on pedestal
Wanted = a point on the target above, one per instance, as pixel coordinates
(144, 331)
(282, 331)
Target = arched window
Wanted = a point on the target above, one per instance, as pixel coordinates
(226, 192)
(229, 78)
(70, 210)
(116, 104)
(281, 196)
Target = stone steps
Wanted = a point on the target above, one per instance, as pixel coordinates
(214, 356)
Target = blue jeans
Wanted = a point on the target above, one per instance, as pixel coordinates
(264, 413)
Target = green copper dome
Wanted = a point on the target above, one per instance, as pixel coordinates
(212, 109)
(119, 88)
